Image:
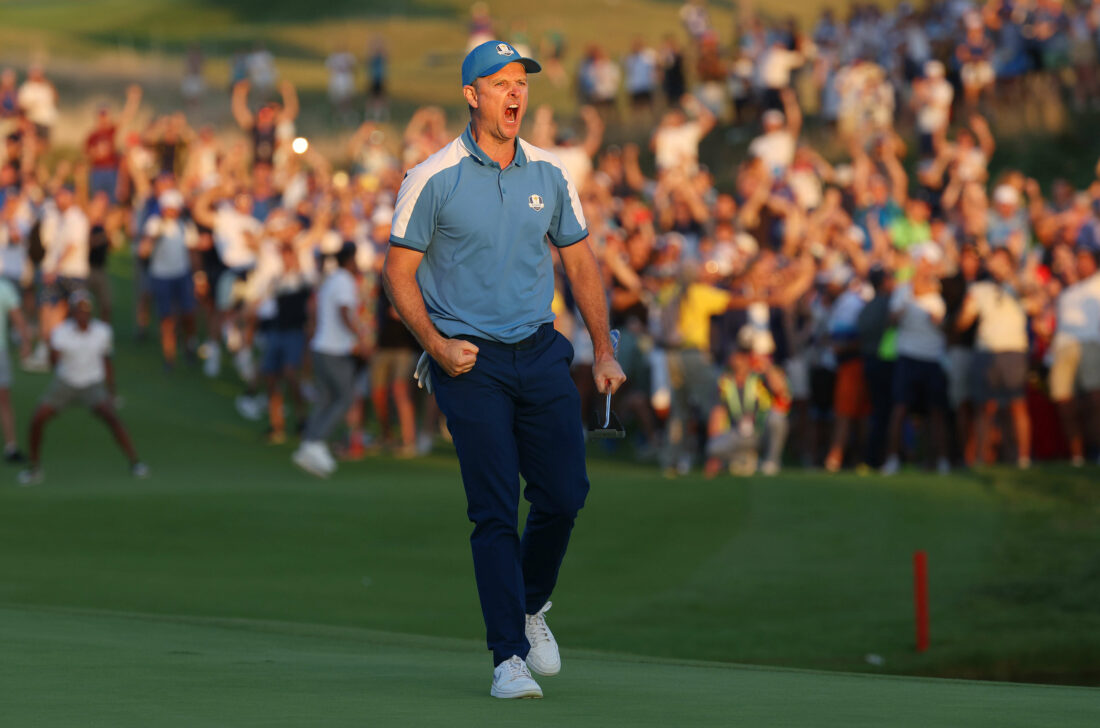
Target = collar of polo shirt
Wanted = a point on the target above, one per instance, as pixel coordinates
(479, 154)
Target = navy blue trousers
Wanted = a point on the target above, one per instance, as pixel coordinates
(517, 412)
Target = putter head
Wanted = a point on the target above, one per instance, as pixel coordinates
(605, 425)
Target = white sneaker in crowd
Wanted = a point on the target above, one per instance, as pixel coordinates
(1078, 461)
(211, 355)
(512, 679)
(943, 466)
(424, 444)
(769, 468)
(310, 457)
(892, 466)
(245, 364)
(325, 456)
(30, 476)
(250, 407)
(543, 659)
(39, 360)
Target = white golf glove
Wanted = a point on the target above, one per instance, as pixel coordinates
(423, 374)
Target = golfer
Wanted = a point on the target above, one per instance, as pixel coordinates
(470, 271)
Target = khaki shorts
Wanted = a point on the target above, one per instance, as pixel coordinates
(1076, 368)
(977, 74)
(60, 395)
(391, 365)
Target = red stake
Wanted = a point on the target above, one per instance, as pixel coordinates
(920, 597)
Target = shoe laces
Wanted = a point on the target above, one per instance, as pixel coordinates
(516, 668)
(537, 623)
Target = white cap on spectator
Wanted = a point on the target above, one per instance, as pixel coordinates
(840, 275)
(1006, 195)
(934, 69)
(844, 174)
(746, 244)
(172, 199)
(772, 116)
(927, 251)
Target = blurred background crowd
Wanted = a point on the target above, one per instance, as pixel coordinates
(855, 289)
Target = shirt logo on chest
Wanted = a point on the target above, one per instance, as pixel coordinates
(535, 202)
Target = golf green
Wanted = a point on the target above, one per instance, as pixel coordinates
(69, 668)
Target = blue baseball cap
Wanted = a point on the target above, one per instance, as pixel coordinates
(490, 57)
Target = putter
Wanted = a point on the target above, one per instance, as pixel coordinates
(605, 424)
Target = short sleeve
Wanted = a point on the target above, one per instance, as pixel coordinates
(108, 340)
(713, 300)
(568, 225)
(344, 293)
(980, 293)
(414, 214)
(190, 236)
(57, 338)
(898, 299)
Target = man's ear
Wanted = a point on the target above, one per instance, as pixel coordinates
(470, 92)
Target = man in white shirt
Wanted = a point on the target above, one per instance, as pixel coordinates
(1000, 364)
(339, 334)
(65, 235)
(776, 146)
(775, 72)
(576, 154)
(932, 97)
(168, 244)
(38, 99)
(675, 143)
(918, 310)
(1076, 346)
(236, 236)
(80, 350)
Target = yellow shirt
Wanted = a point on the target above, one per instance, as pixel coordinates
(699, 303)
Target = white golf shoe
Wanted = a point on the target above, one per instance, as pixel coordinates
(512, 679)
(543, 659)
(310, 457)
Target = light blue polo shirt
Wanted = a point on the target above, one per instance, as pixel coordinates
(487, 270)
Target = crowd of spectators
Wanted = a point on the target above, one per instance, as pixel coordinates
(899, 302)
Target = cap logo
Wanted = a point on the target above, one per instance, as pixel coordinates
(535, 202)
(503, 49)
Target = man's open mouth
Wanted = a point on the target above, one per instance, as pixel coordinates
(511, 113)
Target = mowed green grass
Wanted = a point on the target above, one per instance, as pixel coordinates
(69, 668)
(231, 589)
